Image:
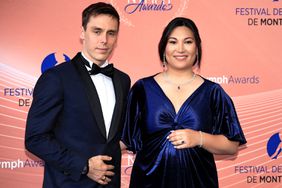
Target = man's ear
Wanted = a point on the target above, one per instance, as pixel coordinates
(82, 34)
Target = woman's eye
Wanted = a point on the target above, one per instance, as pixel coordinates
(172, 42)
(188, 42)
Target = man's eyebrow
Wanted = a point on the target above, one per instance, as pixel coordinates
(95, 28)
(112, 30)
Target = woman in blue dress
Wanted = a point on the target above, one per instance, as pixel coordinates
(176, 120)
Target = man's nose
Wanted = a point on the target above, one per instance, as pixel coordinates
(104, 38)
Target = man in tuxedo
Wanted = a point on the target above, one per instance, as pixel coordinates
(77, 114)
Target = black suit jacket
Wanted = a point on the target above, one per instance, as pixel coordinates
(65, 125)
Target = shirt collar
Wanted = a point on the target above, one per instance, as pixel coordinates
(91, 63)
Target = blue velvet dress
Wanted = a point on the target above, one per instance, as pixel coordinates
(149, 120)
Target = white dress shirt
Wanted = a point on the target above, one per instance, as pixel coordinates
(105, 89)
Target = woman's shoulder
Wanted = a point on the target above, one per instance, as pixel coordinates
(139, 87)
(211, 84)
(215, 89)
(146, 80)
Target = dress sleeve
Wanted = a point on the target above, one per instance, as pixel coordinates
(131, 136)
(225, 118)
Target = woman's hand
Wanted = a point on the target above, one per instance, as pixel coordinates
(216, 144)
(185, 138)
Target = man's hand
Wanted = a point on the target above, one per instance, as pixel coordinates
(99, 171)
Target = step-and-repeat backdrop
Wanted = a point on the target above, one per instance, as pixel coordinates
(241, 51)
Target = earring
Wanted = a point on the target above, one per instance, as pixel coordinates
(196, 60)
(164, 62)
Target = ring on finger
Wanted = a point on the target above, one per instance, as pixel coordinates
(103, 178)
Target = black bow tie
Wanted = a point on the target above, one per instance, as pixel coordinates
(107, 70)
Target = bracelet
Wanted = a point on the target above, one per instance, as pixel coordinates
(201, 139)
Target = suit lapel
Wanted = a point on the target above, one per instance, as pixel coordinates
(91, 92)
(118, 107)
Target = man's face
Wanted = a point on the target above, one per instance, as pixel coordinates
(99, 38)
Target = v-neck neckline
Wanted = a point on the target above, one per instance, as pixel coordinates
(185, 101)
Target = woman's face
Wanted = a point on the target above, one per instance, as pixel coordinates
(181, 49)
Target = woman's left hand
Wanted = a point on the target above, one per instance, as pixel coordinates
(184, 138)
